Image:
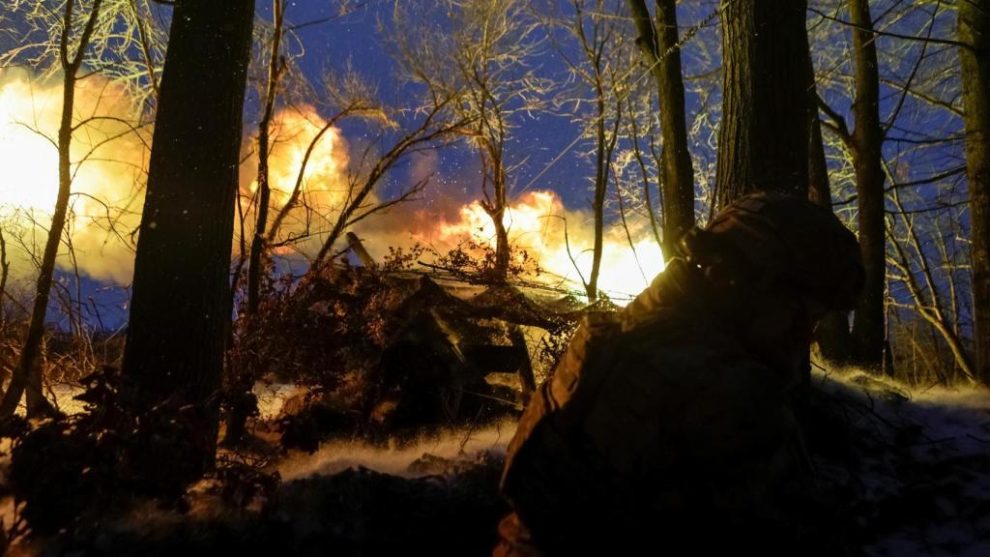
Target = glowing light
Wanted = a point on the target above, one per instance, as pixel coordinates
(112, 175)
(107, 159)
(324, 186)
(29, 160)
(293, 132)
(536, 224)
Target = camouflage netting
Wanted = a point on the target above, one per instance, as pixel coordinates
(384, 352)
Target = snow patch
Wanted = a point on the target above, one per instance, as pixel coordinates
(396, 459)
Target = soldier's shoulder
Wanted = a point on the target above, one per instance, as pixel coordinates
(598, 323)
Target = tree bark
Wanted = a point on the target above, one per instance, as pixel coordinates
(867, 139)
(763, 136)
(662, 53)
(497, 203)
(176, 336)
(500, 272)
(974, 32)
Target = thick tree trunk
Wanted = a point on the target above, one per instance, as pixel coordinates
(763, 137)
(974, 32)
(176, 336)
(867, 138)
(832, 334)
(763, 142)
(662, 53)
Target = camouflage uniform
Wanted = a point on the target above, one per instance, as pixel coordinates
(660, 428)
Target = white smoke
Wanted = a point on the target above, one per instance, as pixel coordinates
(108, 154)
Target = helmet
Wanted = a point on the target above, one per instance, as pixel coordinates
(781, 242)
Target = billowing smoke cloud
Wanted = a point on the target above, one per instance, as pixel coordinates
(307, 155)
(110, 158)
(558, 240)
(109, 155)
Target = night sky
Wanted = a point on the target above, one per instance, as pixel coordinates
(543, 143)
(354, 37)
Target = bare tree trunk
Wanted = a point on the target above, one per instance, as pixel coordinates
(28, 372)
(763, 136)
(176, 336)
(241, 406)
(256, 266)
(867, 139)
(502, 251)
(601, 188)
(4, 276)
(496, 207)
(662, 53)
(604, 149)
(974, 32)
(832, 334)
(240, 381)
(594, 31)
(930, 307)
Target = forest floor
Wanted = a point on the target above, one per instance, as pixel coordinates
(913, 465)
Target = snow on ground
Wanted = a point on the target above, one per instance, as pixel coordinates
(63, 397)
(397, 459)
(922, 475)
(923, 479)
(337, 456)
(927, 488)
(271, 397)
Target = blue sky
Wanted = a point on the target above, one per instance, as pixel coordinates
(333, 41)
